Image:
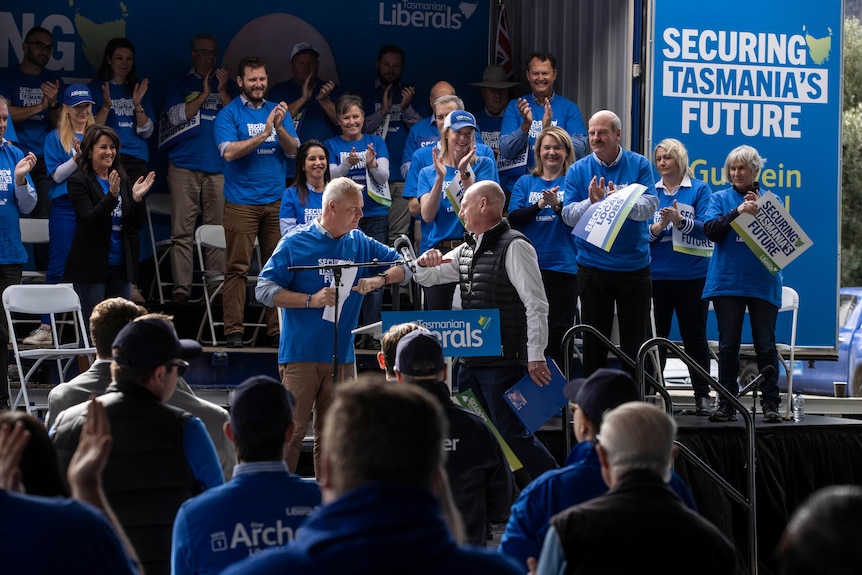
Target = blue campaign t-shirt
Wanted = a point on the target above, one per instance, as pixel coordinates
(552, 238)
(339, 149)
(198, 152)
(55, 155)
(667, 264)
(117, 254)
(122, 117)
(258, 177)
(25, 90)
(294, 213)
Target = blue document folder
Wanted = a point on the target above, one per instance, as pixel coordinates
(534, 405)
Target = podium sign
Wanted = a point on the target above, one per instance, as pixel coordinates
(462, 333)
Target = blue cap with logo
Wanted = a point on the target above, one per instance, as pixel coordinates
(77, 94)
(460, 119)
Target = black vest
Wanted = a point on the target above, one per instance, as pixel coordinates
(485, 284)
(147, 476)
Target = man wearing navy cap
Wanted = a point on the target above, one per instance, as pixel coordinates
(581, 478)
(482, 485)
(264, 504)
(161, 455)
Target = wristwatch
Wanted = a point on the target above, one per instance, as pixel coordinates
(466, 174)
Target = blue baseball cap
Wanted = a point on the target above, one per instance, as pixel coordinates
(77, 94)
(460, 119)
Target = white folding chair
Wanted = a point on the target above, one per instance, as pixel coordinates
(158, 204)
(33, 231)
(37, 300)
(211, 236)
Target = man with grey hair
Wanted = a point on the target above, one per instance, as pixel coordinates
(305, 352)
(636, 452)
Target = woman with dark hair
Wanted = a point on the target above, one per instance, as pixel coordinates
(303, 201)
(122, 103)
(103, 257)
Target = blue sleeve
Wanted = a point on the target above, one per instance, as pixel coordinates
(225, 126)
(426, 180)
(520, 193)
(54, 152)
(201, 454)
(411, 179)
(552, 561)
(577, 130)
(410, 146)
(381, 149)
(523, 538)
(180, 546)
(572, 193)
(512, 138)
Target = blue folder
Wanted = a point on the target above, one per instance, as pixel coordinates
(534, 405)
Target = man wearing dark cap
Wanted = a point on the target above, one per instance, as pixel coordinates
(581, 478)
(264, 504)
(482, 485)
(310, 99)
(161, 455)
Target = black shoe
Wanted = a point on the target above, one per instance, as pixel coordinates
(770, 412)
(723, 412)
(234, 340)
(702, 406)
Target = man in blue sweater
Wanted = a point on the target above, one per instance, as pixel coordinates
(619, 278)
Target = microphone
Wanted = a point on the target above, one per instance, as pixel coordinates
(403, 246)
(767, 371)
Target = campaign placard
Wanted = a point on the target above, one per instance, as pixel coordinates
(694, 243)
(772, 234)
(462, 333)
(602, 221)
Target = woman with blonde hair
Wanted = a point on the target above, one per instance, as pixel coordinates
(534, 209)
(61, 147)
(455, 166)
(678, 277)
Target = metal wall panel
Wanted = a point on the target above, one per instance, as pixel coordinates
(591, 40)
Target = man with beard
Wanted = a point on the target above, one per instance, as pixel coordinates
(254, 141)
(195, 170)
(34, 107)
(310, 99)
(389, 114)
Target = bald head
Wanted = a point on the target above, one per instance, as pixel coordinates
(482, 206)
(440, 89)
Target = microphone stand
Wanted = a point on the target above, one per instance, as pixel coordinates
(336, 270)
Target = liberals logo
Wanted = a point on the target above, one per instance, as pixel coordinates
(419, 14)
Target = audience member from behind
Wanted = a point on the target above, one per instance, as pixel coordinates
(161, 455)
(106, 321)
(264, 504)
(17, 196)
(822, 535)
(80, 539)
(382, 474)
(482, 484)
(636, 452)
(581, 479)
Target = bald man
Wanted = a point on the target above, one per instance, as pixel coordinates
(504, 274)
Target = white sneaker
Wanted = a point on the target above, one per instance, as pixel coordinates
(39, 336)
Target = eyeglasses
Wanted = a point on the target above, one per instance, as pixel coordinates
(181, 366)
(205, 52)
(41, 46)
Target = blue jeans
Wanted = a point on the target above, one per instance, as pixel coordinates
(115, 285)
(730, 311)
(488, 383)
(376, 227)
